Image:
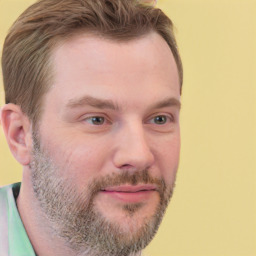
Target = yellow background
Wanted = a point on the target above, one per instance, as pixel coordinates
(213, 210)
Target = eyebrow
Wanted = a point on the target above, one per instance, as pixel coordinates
(109, 104)
(169, 102)
(92, 101)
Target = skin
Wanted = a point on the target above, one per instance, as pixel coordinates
(133, 88)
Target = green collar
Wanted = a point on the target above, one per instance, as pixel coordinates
(18, 243)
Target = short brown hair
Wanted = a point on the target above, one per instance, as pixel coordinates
(27, 49)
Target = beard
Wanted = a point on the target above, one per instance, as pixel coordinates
(75, 219)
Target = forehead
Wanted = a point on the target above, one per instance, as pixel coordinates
(88, 64)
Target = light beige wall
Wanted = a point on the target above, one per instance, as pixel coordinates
(213, 211)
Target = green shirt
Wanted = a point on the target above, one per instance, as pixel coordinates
(14, 240)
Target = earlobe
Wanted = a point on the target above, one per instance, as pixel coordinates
(17, 131)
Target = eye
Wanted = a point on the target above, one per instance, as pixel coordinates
(162, 122)
(160, 119)
(96, 120)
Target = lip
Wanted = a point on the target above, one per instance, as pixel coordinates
(130, 194)
(130, 188)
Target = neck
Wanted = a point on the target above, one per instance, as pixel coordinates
(38, 228)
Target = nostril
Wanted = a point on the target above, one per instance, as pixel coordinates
(128, 167)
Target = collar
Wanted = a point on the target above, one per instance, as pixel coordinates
(16, 242)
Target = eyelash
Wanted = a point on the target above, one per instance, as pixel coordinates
(168, 119)
(94, 117)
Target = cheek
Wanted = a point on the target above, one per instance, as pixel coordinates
(79, 161)
(168, 157)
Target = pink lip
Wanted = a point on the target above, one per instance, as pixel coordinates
(130, 194)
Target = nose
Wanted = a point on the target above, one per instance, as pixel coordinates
(132, 149)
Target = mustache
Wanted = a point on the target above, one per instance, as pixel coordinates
(86, 200)
(126, 178)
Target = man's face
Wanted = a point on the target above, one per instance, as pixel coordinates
(107, 148)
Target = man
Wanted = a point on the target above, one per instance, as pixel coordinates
(92, 114)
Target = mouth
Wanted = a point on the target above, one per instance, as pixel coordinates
(129, 193)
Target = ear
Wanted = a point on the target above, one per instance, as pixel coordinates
(17, 130)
